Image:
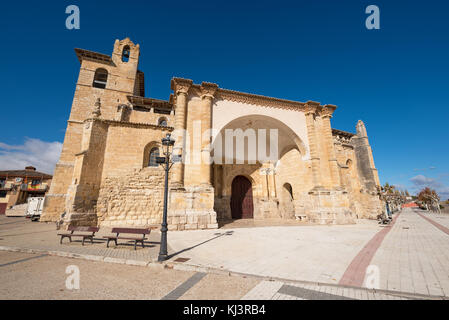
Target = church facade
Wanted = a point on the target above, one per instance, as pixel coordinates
(244, 156)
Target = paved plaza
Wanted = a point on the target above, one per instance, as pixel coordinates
(406, 260)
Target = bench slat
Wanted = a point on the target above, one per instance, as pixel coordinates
(130, 230)
(83, 229)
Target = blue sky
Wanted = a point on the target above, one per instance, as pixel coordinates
(395, 79)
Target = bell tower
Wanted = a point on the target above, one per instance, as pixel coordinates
(102, 79)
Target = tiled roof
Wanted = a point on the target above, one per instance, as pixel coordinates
(24, 173)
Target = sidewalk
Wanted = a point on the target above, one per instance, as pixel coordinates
(18, 232)
(412, 256)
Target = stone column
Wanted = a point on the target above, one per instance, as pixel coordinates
(310, 111)
(208, 91)
(181, 88)
(326, 115)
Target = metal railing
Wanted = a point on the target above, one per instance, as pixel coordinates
(6, 185)
(37, 187)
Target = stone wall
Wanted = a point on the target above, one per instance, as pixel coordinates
(135, 199)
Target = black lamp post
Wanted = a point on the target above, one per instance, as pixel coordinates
(166, 163)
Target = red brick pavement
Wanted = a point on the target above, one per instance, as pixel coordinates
(355, 273)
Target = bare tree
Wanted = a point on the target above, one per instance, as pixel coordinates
(430, 199)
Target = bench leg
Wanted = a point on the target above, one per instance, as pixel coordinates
(83, 240)
(135, 244)
(107, 245)
(143, 245)
(60, 241)
(92, 240)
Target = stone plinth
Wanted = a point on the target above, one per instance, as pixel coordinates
(191, 208)
(330, 207)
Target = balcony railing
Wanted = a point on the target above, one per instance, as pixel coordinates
(6, 185)
(36, 187)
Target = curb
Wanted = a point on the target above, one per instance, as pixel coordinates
(89, 257)
(189, 267)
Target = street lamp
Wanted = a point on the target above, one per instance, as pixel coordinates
(167, 142)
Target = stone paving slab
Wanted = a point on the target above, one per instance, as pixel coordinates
(312, 253)
(32, 276)
(278, 290)
(414, 257)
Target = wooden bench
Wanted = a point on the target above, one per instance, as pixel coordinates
(83, 232)
(119, 231)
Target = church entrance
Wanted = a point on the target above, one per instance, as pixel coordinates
(242, 198)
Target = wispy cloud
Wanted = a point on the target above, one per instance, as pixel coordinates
(419, 182)
(400, 187)
(424, 169)
(35, 152)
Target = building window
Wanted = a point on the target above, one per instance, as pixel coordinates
(162, 111)
(100, 78)
(125, 54)
(2, 194)
(162, 122)
(154, 153)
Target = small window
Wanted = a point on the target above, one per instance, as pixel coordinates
(141, 109)
(100, 78)
(2, 194)
(126, 53)
(162, 111)
(154, 153)
(162, 122)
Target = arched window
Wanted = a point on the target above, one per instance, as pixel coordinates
(100, 78)
(126, 53)
(162, 122)
(154, 153)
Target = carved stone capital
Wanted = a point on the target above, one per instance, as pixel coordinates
(208, 90)
(311, 107)
(328, 110)
(181, 86)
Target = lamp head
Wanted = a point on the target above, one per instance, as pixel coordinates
(168, 141)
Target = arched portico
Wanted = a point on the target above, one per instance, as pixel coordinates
(236, 152)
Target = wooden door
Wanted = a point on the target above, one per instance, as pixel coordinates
(242, 199)
(3, 208)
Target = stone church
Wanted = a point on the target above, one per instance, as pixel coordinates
(107, 173)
